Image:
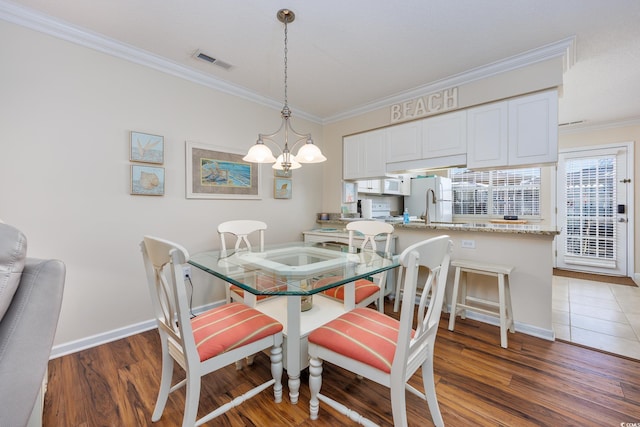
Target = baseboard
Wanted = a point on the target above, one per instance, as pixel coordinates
(116, 334)
(636, 278)
(535, 331)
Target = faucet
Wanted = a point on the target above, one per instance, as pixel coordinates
(434, 200)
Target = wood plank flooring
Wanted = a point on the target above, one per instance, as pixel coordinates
(533, 382)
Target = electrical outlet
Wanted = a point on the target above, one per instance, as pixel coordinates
(186, 270)
(468, 244)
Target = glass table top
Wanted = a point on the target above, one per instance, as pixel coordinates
(292, 268)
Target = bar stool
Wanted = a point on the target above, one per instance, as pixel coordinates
(461, 302)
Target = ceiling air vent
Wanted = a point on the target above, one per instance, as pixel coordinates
(198, 54)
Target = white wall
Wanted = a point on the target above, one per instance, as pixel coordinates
(65, 116)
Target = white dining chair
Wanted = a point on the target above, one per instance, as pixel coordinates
(207, 342)
(237, 234)
(366, 291)
(385, 350)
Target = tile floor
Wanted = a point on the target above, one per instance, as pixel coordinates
(598, 315)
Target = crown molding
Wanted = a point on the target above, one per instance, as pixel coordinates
(564, 48)
(45, 24)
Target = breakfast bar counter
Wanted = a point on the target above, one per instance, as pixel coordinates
(526, 247)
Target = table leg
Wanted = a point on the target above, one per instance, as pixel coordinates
(293, 346)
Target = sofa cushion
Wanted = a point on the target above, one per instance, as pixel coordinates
(13, 250)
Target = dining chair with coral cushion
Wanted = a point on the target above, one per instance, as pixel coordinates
(241, 231)
(382, 349)
(205, 343)
(366, 291)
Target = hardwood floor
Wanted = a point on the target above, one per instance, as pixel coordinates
(533, 382)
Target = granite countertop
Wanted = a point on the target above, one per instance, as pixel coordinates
(476, 227)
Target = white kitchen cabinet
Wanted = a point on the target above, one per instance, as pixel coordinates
(370, 186)
(520, 131)
(404, 142)
(364, 155)
(487, 134)
(533, 129)
(444, 135)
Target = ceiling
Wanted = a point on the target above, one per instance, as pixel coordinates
(346, 55)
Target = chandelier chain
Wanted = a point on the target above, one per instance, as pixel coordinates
(286, 39)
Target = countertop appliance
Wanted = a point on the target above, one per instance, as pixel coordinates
(431, 196)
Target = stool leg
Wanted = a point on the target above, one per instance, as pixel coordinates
(464, 276)
(454, 300)
(507, 290)
(503, 309)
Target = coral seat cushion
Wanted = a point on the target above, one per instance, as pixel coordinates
(363, 334)
(230, 326)
(364, 288)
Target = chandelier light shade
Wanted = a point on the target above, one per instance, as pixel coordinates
(308, 152)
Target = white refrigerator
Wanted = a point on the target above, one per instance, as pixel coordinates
(433, 194)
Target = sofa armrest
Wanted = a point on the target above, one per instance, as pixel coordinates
(26, 336)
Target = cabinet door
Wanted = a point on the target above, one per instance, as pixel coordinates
(363, 156)
(404, 142)
(370, 186)
(533, 129)
(487, 133)
(444, 135)
(352, 162)
(373, 151)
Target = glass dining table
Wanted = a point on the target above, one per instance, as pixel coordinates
(293, 276)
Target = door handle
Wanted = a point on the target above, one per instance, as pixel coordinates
(623, 220)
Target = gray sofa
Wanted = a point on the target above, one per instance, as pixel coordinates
(30, 299)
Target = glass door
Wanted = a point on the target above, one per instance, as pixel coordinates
(593, 211)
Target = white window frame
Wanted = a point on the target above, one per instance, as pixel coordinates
(522, 184)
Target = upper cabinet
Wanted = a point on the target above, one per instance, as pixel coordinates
(487, 133)
(533, 129)
(364, 155)
(404, 142)
(444, 135)
(521, 131)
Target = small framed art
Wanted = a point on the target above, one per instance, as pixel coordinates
(146, 148)
(147, 180)
(282, 188)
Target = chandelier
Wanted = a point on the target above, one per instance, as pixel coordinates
(308, 152)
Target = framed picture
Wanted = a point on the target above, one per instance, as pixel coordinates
(282, 174)
(350, 192)
(218, 173)
(282, 188)
(146, 148)
(147, 180)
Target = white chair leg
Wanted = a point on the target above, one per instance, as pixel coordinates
(315, 382)
(276, 372)
(428, 381)
(192, 400)
(398, 403)
(165, 381)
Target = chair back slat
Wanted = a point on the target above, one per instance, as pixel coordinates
(370, 230)
(241, 229)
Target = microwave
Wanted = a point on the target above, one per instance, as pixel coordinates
(393, 186)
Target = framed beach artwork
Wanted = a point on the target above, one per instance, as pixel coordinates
(219, 173)
(146, 148)
(147, 180)
(282, 188)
